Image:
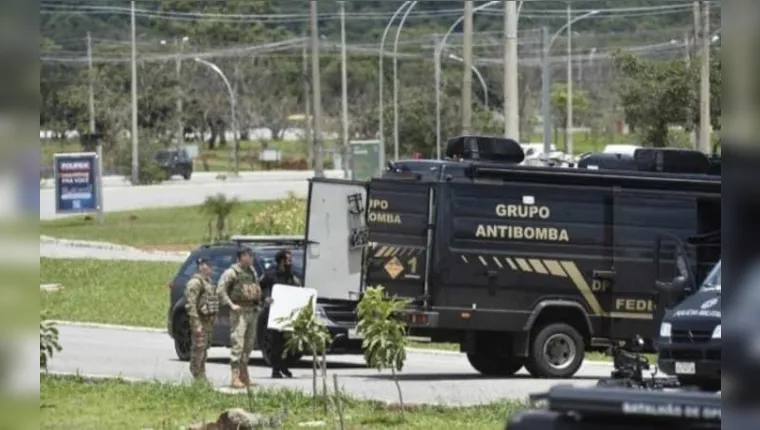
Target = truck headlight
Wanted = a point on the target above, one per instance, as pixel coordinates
(716, 332)
(665, 329)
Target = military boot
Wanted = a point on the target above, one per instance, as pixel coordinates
(236, 381)
(245, 378)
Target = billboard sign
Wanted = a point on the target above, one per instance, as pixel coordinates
(77, 179)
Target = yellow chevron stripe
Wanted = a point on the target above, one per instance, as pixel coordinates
(538, 267)
(482, 260)
(555, 268)
(498, 263)
(524, 266)
(511, 263)
(380, 252)
(464, 258)
(631, 315)
(582, 285)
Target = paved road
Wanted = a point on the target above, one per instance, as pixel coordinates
(207, 177)
(427, 378)
(172, 194)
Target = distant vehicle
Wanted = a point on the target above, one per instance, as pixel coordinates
(175, 161)
(337, 319)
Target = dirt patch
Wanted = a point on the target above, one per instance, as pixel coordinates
(166, 248)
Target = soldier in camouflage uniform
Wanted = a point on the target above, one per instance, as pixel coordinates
(240, 290)
(202, 305)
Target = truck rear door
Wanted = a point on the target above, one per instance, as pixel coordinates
(398, 218)
(336, 237)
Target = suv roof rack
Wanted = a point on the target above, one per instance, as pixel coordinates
(299, 240)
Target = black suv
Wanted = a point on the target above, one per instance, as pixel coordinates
(337, 318)
(175, 161)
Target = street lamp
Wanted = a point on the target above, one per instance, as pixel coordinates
(477, 73)
(438, 52)
(546, 79)
(233, 120)
(180, 123)
(395, 80)
(381, 106)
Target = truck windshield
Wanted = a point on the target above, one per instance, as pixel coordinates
(713, 279)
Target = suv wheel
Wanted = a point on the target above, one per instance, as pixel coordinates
(492, 365)
(182, 339)
(186, 175)
(556, 351)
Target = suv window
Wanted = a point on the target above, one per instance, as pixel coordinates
(220, 262)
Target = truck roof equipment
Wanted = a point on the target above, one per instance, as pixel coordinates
(485, 148)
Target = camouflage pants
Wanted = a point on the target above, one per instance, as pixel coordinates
(201, 330)
(242, 335)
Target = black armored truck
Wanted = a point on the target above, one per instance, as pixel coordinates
(521, 265)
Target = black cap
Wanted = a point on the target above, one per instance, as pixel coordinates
(202, 260)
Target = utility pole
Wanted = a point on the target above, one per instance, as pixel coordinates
(344, 90)
(704, 96)
(437, 65)
(694, 50)
(307, 106)
(569, 125)
(688, 54)
(467, 81)
(180, 122)
(319, 161)
(135, 149)
(99, 150)
(511, 100)
(546, 111)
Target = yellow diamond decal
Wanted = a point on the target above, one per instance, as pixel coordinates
(394, 267)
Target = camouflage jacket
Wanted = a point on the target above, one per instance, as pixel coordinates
(200, 297)
(239, 286)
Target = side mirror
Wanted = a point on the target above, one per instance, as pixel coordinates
(672, 292)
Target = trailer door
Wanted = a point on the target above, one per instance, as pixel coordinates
(399, 218)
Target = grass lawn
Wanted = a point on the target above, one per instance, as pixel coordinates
(73, 403)
(111, 292)
(169, 228)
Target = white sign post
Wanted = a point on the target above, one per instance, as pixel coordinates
(285, 300)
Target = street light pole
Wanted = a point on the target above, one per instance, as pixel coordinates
(380, 76)
(704, 90)
(467, 79)
(511, 87)
(569, 99)
(135, 150)
(316, 88)
(438, 53)
(546, 76)
(233, 113)
(99, 148)
(395, 81)
(344, 90)
(480, 77)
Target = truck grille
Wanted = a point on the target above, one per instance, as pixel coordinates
(690, 336)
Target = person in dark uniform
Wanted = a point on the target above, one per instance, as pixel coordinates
(283, 274)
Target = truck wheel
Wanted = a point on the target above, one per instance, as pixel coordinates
(182, 341)
(556, 351)
(492, 365)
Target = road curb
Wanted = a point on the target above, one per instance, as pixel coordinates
(94, 376)
(109, 326)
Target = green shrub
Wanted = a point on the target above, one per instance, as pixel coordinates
(283, 217)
